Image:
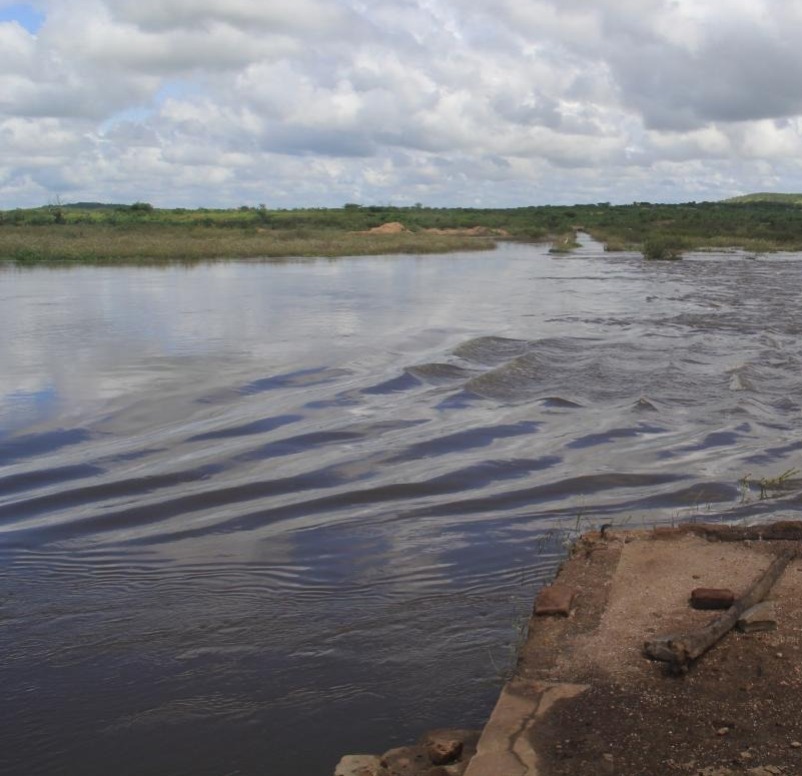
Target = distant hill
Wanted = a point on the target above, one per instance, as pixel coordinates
(785, 199)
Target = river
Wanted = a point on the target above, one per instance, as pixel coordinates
(257, 515)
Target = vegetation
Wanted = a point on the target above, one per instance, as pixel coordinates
(662, 248)
(786, 199)
(769, 487)
(564, 243)
(155, 242)
(93, 231)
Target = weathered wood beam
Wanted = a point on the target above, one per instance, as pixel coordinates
(680, 650)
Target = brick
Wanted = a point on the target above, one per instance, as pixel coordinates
(712, 598)
(554, 599)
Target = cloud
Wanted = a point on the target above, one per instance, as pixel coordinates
(300, 16)
(206, 102)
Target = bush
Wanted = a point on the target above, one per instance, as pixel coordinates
(663, 248)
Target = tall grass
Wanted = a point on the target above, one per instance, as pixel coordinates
(156, 242)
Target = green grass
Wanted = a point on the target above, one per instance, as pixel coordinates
(617, 245)
(107, 232)
(155, 242)
(663, 248)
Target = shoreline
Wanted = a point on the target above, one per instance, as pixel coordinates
(586, 698)
(106, 233)
(26, 246)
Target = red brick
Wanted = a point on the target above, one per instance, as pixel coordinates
(554, 599)
(712, 598)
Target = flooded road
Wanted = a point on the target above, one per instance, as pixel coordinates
(254, 516)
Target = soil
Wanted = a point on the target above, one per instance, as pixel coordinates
(738, 709)
(392, 227)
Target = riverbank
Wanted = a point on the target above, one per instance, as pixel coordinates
(152, 243)
(586, 699)
(107, 233)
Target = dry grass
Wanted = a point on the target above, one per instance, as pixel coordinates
(756, 245)
(152, 242)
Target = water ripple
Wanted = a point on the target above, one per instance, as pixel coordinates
(325, 515)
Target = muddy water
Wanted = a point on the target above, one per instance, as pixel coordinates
(254, 516)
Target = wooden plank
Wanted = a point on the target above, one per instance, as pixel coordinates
(680, 650)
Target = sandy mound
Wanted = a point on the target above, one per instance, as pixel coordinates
(393, 227)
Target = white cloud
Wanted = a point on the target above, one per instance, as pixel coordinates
(300, 16)
(442, 101)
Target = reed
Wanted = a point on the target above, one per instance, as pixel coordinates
(97, 243)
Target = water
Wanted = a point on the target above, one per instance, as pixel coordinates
(254, 516)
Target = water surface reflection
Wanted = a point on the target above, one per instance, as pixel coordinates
(256, 515)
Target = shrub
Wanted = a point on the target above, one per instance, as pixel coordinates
(564, 243)
(663, 248)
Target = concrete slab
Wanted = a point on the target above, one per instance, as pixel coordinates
(585, 699)
(505, 746)
(633, 718)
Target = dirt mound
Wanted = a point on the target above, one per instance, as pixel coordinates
(392, 227)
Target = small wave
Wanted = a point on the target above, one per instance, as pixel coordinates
(439, 372)
(464, 440)
(299, 444)
(94, 494)
(30, 445)
(491, 350)
(17, 483)
(553, 491)
(558, 402)
(247, 429)
(318, 439)
(404, 382)
(513, 381)
(774, 454)
(415, 376)
(605, 437)
(711, 441)
(694, 496)
(299, 378)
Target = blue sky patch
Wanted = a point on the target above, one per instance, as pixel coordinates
(24, 14)
(177, 88)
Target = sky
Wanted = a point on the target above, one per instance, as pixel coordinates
(300, 103)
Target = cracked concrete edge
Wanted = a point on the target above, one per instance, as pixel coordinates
(505, 748)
